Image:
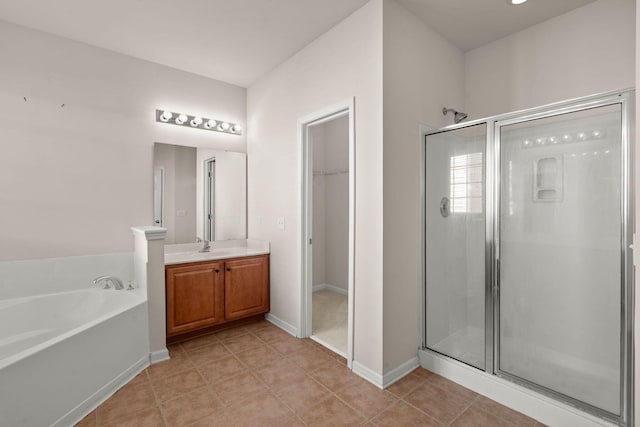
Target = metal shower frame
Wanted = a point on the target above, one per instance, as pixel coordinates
(624, 98)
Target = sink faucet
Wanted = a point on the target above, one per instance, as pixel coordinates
(115, 282)
(206, 245)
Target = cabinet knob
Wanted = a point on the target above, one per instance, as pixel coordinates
(217, 271)
(228, 269)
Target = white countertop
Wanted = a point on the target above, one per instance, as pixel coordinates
(189, 252)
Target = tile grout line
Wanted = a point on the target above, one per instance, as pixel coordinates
(463, 411)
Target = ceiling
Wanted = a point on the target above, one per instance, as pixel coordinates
(238, 41)
(472, 23)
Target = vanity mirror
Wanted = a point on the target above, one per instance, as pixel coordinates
(199, 193)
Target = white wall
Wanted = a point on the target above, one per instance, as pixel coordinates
(585, 51)
(331, 203)
(342, 63)
(422, 73)
(74, 179)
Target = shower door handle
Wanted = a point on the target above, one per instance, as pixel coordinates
(445, 207)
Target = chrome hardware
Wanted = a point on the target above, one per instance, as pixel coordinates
(114, 281)
(445, 207)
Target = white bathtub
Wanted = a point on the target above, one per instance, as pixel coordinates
(62, 354)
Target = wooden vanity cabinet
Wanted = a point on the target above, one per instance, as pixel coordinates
(195, 296)
(205, 294)
(245, 293)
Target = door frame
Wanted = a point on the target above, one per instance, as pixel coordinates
(305, 247)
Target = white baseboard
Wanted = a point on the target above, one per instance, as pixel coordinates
(282, 324)
(159, 356)
(332, 288)
(96, 399)
(373, 377)
(535, 405)
(400, 371)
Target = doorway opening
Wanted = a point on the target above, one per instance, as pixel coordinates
(210, 200)
(328, 207)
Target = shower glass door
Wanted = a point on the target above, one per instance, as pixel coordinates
(455, 243)
(561, 266)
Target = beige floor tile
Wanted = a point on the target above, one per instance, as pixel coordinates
(310, 359)
(191, 407)
(231, 332)
(141, 378)
(276, 379)
(217, 419)
(451, 387)
(405, 385)
(280, 373)
(146, 418)
(179, 362)
(259, 325)
(302, 395)
(238, 388)
(258, 357)
(125, 401)
(335, 375)
(288, 345)
(263, 409)
(332, 411)
(366, 398)
(176, 385)
(437, 403)
(221, 369)
(514, 417)
(240, 343)
(402, 414)
(271, 334)
(200, 342)
(88, 421)
(208, 354)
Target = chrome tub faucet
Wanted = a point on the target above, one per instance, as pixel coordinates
(113, 280)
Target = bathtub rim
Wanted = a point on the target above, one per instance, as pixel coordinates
(139, 296)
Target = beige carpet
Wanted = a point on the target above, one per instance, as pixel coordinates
(330, 320)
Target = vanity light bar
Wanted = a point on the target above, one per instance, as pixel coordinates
(181, 119)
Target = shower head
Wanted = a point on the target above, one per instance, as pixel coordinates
(458, 116)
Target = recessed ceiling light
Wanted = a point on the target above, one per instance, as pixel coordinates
(516, 1)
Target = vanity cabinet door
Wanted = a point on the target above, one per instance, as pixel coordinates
(246, 285)
(195, 296)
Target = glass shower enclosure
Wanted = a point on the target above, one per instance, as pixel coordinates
(527, 249)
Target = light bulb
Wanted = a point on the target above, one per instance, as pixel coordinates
(596, 133)
(553, 139)
(582, 136)
(197, 121)
(516, 2)
(166, 116)
(224, 125)
(539, 141)
(236, 128)
(210, 124)
(566, 137)
(527, 142)
(181, 119)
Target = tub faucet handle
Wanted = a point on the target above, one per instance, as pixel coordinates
(113, 280)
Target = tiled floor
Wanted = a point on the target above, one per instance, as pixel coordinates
(258, 375)
(329, 322)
